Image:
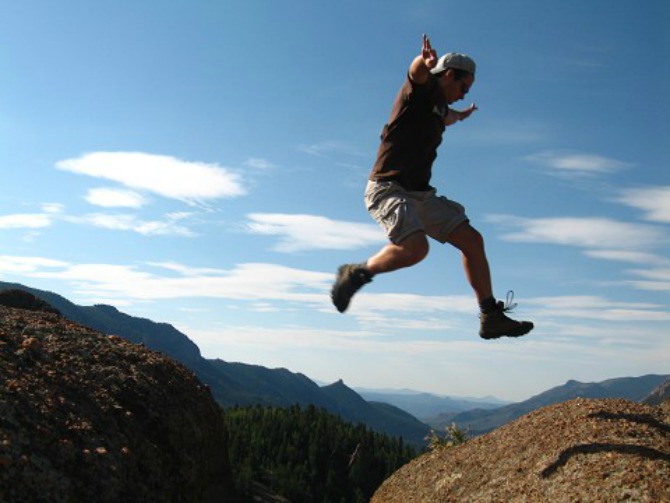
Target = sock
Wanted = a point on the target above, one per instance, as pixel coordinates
(364, 267)
(488, 305)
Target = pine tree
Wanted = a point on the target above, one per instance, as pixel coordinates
(308, 455)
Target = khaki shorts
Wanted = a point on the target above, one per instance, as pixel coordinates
(401, 212)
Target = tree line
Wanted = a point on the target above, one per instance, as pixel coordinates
(309, 455)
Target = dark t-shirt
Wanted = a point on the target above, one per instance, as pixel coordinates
(410, 139)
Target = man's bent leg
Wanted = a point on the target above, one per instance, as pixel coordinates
(412, 250)
(471, 244)
(351, 277)
(494, 322)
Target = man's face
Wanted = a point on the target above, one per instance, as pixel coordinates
(453, 89)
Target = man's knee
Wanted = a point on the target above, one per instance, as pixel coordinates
(415, 248)
(476, 239)
(467, 239)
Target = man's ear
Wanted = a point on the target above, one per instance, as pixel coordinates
(450, 74)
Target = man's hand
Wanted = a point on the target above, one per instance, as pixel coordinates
(419, 70)
(428, 53)
(458, 115)
(468, 111)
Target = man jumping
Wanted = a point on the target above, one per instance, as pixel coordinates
(400, 198)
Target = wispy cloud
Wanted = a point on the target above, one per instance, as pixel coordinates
(125, 222)
(156, 281)
(20, 264)
(269, 283)
(260, 284)
(505, 133)
(597, 233)
(575, 164)
(634, 257)
(655, 276)
(593, 307)
(600, 238)
(397, 312)
(309, 232)
(340, 153)
(169, 225)
(329, 149)
(655, 279)
(115, 198)
(654, 201)
(166, 176)
(259, 164)
(25, 221)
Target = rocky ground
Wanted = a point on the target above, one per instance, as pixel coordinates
(581, 450)
(90, 417)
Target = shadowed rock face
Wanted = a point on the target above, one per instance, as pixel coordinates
(24, 300)
(580, 450)
(87, 417)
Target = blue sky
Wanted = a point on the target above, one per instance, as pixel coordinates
(203, 164)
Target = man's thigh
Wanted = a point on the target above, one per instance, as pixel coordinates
(440, 216)
(393, 208)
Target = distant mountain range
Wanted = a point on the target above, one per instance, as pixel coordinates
(480, 421)
(393, 412)
(240, 384)
(425, 406)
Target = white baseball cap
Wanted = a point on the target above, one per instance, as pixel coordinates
(456, 61)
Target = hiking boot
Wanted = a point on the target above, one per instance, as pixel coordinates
(496, 324)
(350, 278)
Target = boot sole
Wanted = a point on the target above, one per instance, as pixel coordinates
(489, 336)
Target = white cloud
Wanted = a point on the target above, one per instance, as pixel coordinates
(601, 238)
(654, 279)
(259, 164)
(52, 208)
(592, 307)
(330, 148)
(124, 222)
(266, 283)
(308, 232)
(25, 221)
(588, 232)
(505, 132)
(120, 222)
(163, 175)
(254, 282)
(654, 201)
(635, 257)
(411, 303)
(18, 264)
(576, 164)
(393, 312)
(111, 198)
(249, 282)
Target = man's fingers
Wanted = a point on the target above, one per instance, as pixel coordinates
(426, 42)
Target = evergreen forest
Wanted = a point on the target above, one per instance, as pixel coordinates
(309, 455)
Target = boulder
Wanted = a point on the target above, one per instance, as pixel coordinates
(579, 450)
(90, 417)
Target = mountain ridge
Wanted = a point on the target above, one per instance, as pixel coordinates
(236, 384)
(479, 421)
(244, 384)
(425, 406)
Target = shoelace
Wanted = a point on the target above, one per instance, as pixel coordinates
(509, 302)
